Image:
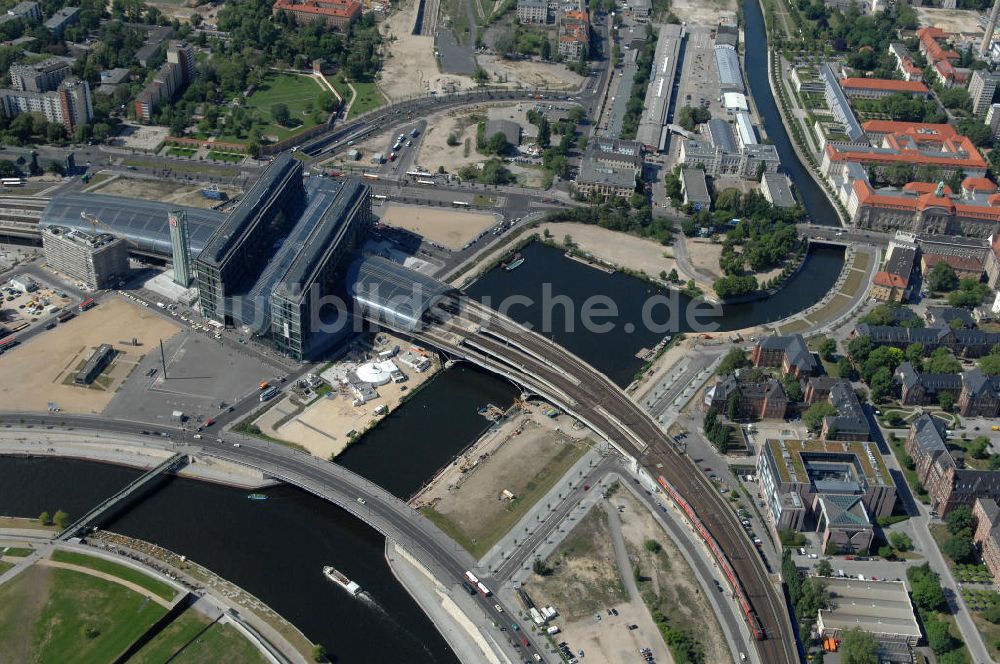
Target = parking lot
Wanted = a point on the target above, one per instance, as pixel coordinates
(20, 310)
(204, 377)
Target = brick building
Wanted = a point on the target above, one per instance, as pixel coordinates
(788, 352)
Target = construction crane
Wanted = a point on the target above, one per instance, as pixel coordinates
(95, 222)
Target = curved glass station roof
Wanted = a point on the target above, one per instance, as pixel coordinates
(143, 222)
(392, 294)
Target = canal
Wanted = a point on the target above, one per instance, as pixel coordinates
(755, 62)
(549, 292)
(275, 549)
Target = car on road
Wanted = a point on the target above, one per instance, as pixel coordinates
(236, 444)
(498, 608)
(361, 500)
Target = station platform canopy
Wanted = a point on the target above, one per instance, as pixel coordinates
(389, 293)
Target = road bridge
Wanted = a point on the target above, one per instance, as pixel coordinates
(117, 500)
(467, 330)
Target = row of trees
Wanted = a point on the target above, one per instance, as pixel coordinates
(717, 431)
(928, 597)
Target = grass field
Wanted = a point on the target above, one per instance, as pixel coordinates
(294, 91)
(56, 615)
(369, 98)
(154, 586)
(193, 639)
(537, 486)
(231, 157)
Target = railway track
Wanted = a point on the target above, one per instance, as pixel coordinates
(609, 410)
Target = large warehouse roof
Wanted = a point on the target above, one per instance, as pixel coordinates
(392, 294)
(727, 61)
(144, 222)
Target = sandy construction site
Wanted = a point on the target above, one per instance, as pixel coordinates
(164, 191)
(950, 20)
(434, 152)
(449, 228)
(525, 456)
(703, 12)
(530, 74)
(43, 365)
(410, 67)
(621, 249)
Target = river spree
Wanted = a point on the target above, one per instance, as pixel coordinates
(551, 292)
(275, 549)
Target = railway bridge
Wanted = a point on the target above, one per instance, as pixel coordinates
(464, 329)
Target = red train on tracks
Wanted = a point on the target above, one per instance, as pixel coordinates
(748, 612)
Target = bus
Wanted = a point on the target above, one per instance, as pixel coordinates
(12, 182)
(18, 326)
(369, 176)
(473, 579)
(459, 204)
(419, 174)
(429, 183)
(268, 394)
(380, 197)
(65, 316)
(87, 304)
(7, 344)
(483, 589)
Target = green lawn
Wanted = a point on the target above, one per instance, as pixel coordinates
(369, 98)
(292, 90)
(193, 639)
(16, 551)
(175, 151)
(231, 157)
(5, 566)
(154, 586)
(50, 615)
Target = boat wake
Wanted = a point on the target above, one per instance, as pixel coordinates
(385, 615)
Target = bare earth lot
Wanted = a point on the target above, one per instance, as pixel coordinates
(703, 12)
(530, 74)
(322, 427)
(410, 67)
(670, 578)
(43, 363)
(525, 456)
(620, 249)
(950, 20)
(448, 228)
(586, 582)
(704, 255)
(160, 190)
(434, 151)
(585, 578)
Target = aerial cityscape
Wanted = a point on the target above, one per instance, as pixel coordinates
(439, 331)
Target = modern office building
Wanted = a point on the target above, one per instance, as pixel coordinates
(279, 251)
(837, 102)
(835, 487)
(98, 260)
(180, 247)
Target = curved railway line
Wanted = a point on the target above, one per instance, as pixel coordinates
(499, 344)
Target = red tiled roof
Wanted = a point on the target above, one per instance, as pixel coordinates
(978, 184)
(338, 8)
(894, 127)
(904, 152)
(929, 38)
(958, 262)
(889, 280)
(868, 196)
(884, 84)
